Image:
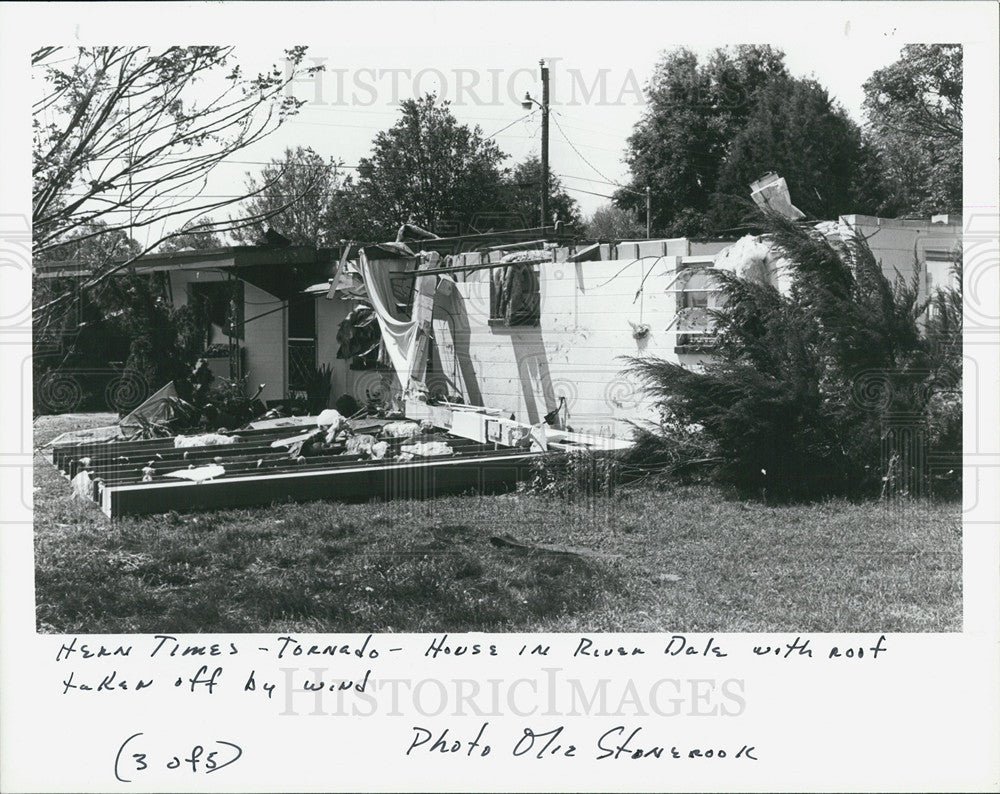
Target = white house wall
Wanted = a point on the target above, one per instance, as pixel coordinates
(588, 313)
(576, 351)
(897, 244)
(329, 315)
(266, 361)
(265, 337)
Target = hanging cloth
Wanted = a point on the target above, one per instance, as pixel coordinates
(398, 335)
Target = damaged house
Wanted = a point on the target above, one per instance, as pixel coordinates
(501, 346)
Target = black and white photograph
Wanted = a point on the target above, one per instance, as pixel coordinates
(536, 341)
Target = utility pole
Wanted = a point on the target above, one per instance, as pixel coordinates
(648, 234)
(545, 143)
(526, 103)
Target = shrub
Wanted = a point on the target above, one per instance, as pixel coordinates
(832, 388)
(575, 476)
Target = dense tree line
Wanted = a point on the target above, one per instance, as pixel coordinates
(712, 128)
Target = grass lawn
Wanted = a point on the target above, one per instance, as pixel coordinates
(677, 559)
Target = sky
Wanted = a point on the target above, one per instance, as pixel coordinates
(596, 98)
(484, 57)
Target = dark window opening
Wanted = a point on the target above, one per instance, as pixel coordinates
(301, 344)
(302, 318)
(219, 308)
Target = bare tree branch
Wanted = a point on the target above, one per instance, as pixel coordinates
(121, 128)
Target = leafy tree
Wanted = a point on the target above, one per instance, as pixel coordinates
(914, 114)
(313, 185)
(163, 341)
(427, 168)
(795, 129)
(76, 330)
(125, 137)
(126, 319)
(798, 399)
(523, 196)
(198, 235)
(694, 111)
(614, 223)
(711, 129)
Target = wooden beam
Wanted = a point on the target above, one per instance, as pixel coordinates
(440, 271)
(410, 480)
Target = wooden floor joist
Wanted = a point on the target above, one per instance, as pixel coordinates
(141, 476)
(133, 477)
(355, 481)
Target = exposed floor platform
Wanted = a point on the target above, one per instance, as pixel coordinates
(483, 454)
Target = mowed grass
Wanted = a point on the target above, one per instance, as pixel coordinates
(675, 559)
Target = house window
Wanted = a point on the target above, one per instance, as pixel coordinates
(696, 296)
(939, 273)
(515, 296)
(695, 299)
(219, 307)
(301, 344)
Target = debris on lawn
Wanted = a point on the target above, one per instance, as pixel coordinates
(508, 541)
(105, 433)
(198, 474)
(401, 430)
(203, 440)
(427, 449)
(323, 457)
(82, 486)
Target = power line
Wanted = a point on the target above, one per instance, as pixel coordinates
(580, 154)
(587, 129)
(594, 167)
(523, 118)
(587, 179)
(588, 192)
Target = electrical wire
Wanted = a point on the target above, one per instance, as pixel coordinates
(581, 156)
(525, 117)
(588, 192)
(594, 167)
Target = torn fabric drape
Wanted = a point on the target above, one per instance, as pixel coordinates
(405, 340)
(398, 334)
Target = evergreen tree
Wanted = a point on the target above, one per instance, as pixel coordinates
(798, 399)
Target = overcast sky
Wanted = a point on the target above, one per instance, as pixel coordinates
(596, 97)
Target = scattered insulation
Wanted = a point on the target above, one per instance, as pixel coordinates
(401, 430)
(198, 474)
(426, 449)
(203, 440)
